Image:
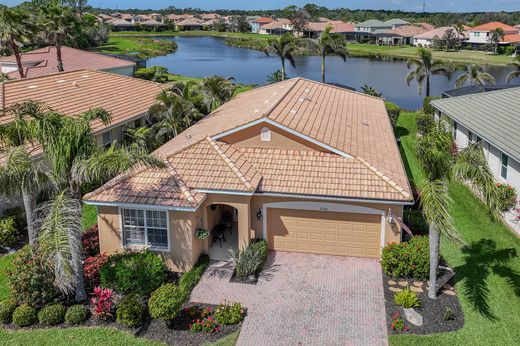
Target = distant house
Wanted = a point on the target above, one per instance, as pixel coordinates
(277, 27)
(314, 29)
(153, 25)
(491, 118)
(179, 17)
(257, 23)
(366, 31)
(402, 35)
(479, 35)
(427, 38)
(209, 16)
(121, 25)
(43, 61)
(190, 24)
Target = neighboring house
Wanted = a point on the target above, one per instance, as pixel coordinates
(43, 61)
(474, 89)
(190, 24)
(314, 29)
(257, 23)
(179, 17)
(72, 93)
(307, 166)
(277, 27)
(402, 35)
(397, 22)
(121, 25)
(371, 26)
(153, 25)
(426, 39)
(479, 35)
(493, 119)
(210, 16)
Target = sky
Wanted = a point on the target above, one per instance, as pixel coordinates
(407, 5)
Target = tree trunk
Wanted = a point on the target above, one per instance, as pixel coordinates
(17, 56)
(283, 69)
(76, 247)
(58, 55)
(28, 202)
(323, 68)
(427, 86)
(434, 261)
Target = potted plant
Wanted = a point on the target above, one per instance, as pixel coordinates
(202, 233)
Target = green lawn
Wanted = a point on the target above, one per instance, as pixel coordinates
(488, 272)
(89, 217)
(143, 47)
(5, 265)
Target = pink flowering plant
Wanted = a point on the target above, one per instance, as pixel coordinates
(398, 323)
(103, 303)
(208, 325)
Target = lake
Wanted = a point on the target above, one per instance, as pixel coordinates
(205, 56)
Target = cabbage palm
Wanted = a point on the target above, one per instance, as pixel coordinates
(283, 47)
(276, 77)
(424, 68)
(516, 70)
(140, 138)
(193, 92)
(474, 75)
(330, 43)
(219, 90)
(17, 28)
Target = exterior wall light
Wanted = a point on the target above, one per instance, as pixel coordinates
(259, 214)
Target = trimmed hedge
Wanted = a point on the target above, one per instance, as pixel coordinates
(25, 316)
(190, 279)
(76, 315)
(140, 273)
(408, 259)
(52, 314)
(7, 308)
(166, 301)
(130, 311)
(393, 111)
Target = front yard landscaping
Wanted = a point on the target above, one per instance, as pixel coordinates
(487, 280)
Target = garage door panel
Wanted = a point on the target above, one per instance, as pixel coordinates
(324, 232)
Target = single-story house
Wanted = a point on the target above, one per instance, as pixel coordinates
(493, 119)
(179, 17)
(190, 24)
(43, 61)
(72, 93)
(153, 25)
(307, 166)
(257, 23)
(426, 39)
(277, 27)
(118, 24)
(402, 35)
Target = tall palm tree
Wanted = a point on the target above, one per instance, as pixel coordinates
(495, 36)
(17, 28)
(474, 75)
(21, 174)
(75, 159)
(283, 47)
(57, 22)
(516, 70)
(329, 43)
(219, 90)
(424, 68)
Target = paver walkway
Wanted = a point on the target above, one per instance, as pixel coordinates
(303, 299)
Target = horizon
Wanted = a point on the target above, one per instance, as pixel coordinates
(461, 6)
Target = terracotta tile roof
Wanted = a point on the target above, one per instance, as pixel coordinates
(410, 30)
(276, 24)
(349, 122)
(190, 21)
(178, 17)
(494, 25)
(263, 20)
(337, 26)
(43, 61)
(75, 92)
(513, 38)
(439, 32)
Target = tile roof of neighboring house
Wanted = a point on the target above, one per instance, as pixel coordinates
(343, 121)
(511, 38)
(153, 22)
(323, 20)
(492, 115)
(191, 22)
(495, 25)
(397, 21)
(178, 17)
(374, 23)
(263, 20)
(75, 92)
(120, 22)
(43, 61)
(431, 34)
(208, 16)
(337, 26)
(410, 30)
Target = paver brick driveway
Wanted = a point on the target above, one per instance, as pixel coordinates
(303, 299)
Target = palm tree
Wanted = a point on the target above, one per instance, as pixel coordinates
(329, 43)
(140, 138)
(369, 90)
(20, 173)
(73, 156)
(474, 75)
(424, 68)
(58, 22)
(275, 77)
(516, 70)
(219, 90)
(283, 47)
(193, 92)
(495, 36)
(433, 151)
(16, 29)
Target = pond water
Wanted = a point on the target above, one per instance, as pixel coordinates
(204, 56)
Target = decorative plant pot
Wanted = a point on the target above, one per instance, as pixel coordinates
(202, 233)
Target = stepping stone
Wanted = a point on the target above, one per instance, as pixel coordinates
(395, 289)
(450, 292)
(392, 282)
(416, 289)
(418, 283)
(413, 317)
(403, 283)
(447, 287)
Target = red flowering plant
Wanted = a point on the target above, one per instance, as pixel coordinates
(90, 242)
(197, 312)
(103, 303)
(507, 196)
(398, 323)
(208, 325)
(91, 267)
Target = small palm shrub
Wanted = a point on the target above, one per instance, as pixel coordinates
(190, 279)
(407, 299)
(7, 308)
(407, 259)
(424, 123)
(165, 303)
(139, 272)
(52, 314)
(25, 316)
(227, 313)
(130, 311)
(9, 234)
(76, 315)
(250, 260)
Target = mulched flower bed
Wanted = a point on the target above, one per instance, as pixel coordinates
(176, 332)
(432, 311)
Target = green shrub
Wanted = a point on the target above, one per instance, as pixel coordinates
(393, 111)
(250, 261)
(407, 299)
(25, 316)
(130, 311)
(76, 315)
(140, 273)
(226, 313)
(507, 196)
(408, 259)
(166, 301)
(52, 314)
(154, 73)
(9, 234)
(424, 123)
(510, 50)
(7, 308)
(191, 278)
(427, 107)
(31, 279)
(448, 314)
(415, 220)
(260, 247)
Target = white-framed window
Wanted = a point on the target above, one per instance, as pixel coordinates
(504, 163)
(265, 134)
(107, 138)
(145, 228)
(476, 33)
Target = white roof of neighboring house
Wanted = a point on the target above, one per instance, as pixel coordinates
(397, 21)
